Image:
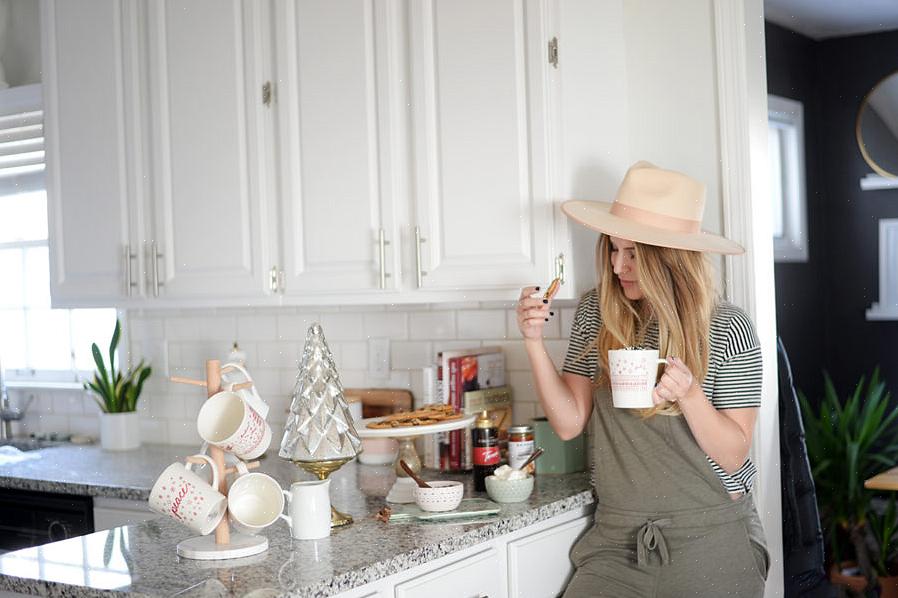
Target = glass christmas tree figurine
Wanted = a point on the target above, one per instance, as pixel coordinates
(319, 436)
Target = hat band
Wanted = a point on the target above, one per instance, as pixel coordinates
(671, 223)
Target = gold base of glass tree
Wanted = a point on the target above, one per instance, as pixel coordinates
(322, 469)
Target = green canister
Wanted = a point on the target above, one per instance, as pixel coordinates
(559, 456)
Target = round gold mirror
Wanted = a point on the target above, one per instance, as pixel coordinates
(877, 127)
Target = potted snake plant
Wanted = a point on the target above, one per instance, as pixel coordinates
(116, 392)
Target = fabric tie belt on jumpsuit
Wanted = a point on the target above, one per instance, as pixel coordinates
(650, 536)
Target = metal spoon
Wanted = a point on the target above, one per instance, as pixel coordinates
(421, 483)
(533, 457)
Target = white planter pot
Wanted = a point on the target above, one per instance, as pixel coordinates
(119, 431)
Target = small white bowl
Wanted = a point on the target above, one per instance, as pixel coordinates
(509, 490)
(441, 496)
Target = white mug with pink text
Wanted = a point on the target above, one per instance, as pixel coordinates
(187, 498)
(227, 420)
(633, 373)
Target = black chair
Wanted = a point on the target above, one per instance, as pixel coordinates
(804, 568)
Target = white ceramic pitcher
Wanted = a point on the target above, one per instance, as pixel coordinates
(309, 509)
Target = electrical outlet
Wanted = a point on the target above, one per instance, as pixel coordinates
(379, 358)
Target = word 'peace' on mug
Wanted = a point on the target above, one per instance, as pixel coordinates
(227, 420)
(255, 501)
(633, 373)
(187, 498)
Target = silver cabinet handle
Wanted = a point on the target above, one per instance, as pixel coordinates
(128, 256)
(382, 252)
(559, 267)
(154, 266)
(418, 271)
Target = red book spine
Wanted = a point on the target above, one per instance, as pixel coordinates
(455, 437)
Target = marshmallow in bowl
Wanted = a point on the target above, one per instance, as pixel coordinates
(507, 473)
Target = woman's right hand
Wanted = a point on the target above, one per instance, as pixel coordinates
(533, 313)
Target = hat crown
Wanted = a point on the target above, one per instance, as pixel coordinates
(666, 193)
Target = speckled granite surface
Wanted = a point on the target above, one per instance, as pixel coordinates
(142, 560)
(91, 471)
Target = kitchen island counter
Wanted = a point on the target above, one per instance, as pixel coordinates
(142, 560)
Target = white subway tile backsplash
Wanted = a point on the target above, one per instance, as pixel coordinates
(273, 339)
(153, 431)
(256, 328)
(522, 385)
(295, 327)
(480, 324)
(183, 432)
(432, 325)
(341, 326)
(385, 324)
(182, 329)
(567, 320)
(406, 355)
(278, 354)
(353, 355)
(87, 425)
(65, 403)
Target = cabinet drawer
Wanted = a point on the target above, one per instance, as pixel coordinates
(476, 576)
(540, 564)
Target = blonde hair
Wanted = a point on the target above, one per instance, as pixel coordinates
(678, 292)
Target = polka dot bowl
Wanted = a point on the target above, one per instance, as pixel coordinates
(509, 490)
(441, 496)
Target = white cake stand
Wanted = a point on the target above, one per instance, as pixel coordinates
(403, 489)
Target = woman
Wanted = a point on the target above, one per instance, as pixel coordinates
(675, 515)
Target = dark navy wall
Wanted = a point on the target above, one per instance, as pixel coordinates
(821, 304)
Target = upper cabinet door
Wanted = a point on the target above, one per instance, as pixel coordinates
(342, 128)
(88, 146)
(480, 83)
(208, 149)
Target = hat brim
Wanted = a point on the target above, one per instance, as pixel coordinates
(596, 215)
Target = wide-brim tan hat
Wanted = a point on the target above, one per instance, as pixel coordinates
(654, 206)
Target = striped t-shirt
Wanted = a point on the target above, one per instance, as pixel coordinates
(734, 366)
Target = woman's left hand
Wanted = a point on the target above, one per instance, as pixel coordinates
(675, 384)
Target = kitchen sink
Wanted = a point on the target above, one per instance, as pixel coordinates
(30, 444)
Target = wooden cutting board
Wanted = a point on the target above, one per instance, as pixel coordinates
(377, 402)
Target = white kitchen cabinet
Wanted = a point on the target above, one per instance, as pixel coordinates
(481, 83)
(89, 141)
(293, 151)
(471, 577)
(533, 562)
(539, 564)
(207, 64)
(342, 113)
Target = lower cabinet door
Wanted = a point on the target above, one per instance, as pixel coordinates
(477, 576)
(540, 564)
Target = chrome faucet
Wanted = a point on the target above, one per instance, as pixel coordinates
(8, 413)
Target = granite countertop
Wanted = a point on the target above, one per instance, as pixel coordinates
(88, 470)
(142, 560)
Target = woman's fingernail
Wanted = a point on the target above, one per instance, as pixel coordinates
(537, 288)
(547, 319)
(545, 300)
(551, 313)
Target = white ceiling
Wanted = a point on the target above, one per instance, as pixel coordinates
(819, 19)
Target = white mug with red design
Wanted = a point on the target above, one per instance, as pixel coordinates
(187, 498)
(228, 421)
(633, 374)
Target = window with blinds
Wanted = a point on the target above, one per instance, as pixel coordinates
(37, 343)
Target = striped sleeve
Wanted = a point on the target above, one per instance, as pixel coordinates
(581, 356)
(738, 380)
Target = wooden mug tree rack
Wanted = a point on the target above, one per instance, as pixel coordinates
(224, 544)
